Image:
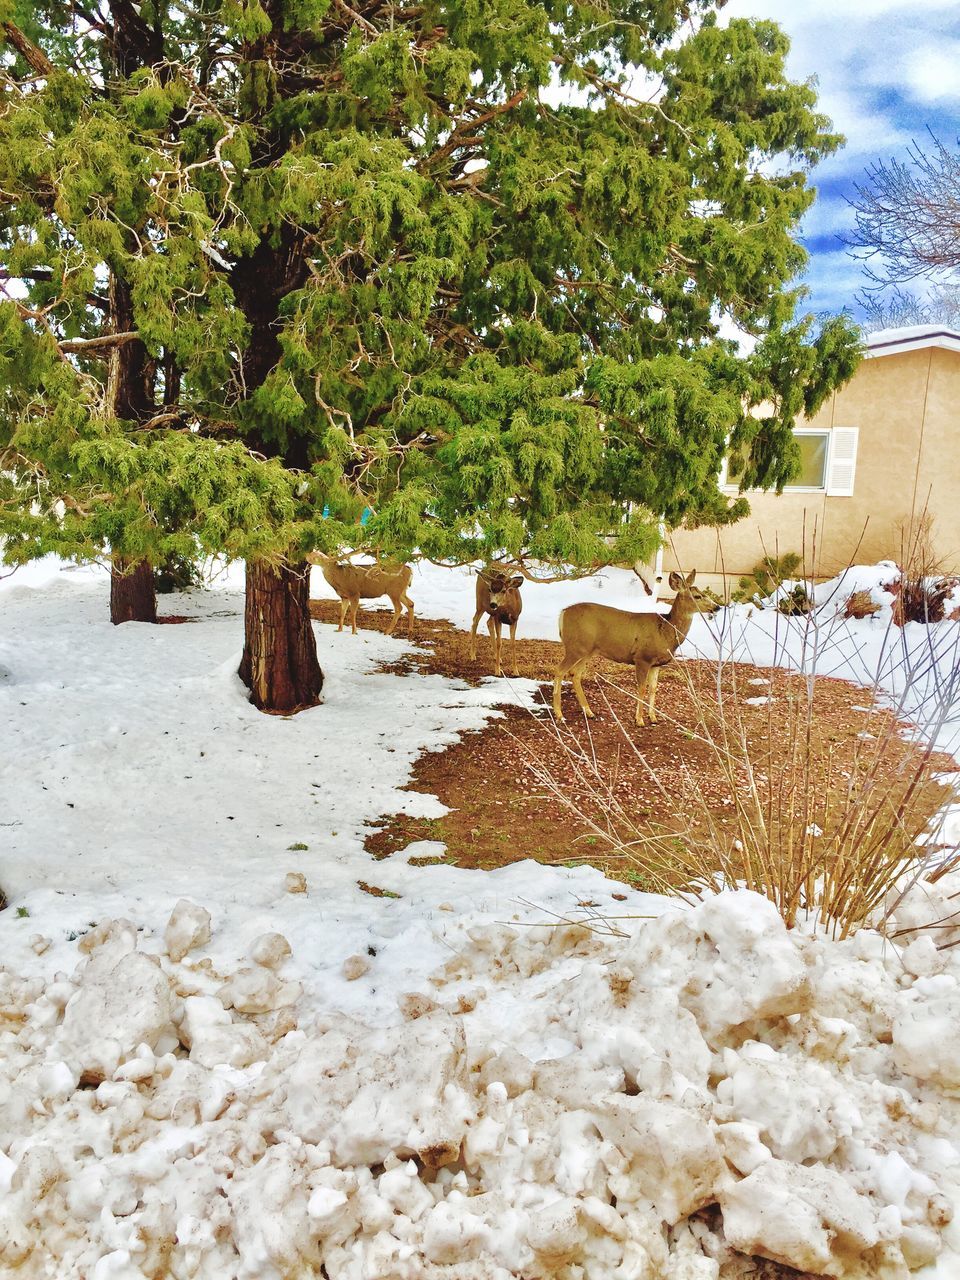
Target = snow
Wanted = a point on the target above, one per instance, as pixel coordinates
(222, 1058)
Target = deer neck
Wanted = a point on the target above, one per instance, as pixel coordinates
(678, 621)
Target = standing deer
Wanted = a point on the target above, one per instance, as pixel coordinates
(647, 641)
(356, 582)
(498, 596)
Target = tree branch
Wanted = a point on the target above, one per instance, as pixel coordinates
(357, 18)
(31, 54)
(133, 42)
(104, 343)
(43, 275)
(460, 135)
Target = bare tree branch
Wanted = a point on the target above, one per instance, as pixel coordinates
(893, 310)
(106, 342)
(908, 216)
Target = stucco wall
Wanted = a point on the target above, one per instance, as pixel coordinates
(907, 409)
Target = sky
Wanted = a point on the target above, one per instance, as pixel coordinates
(888, 71)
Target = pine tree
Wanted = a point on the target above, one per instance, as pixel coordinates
(459, 264)
(132, 595)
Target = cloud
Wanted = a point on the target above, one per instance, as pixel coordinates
(805, 12)
(868, 131)
(932, 72)
(854, 47)
(834, 280)
(886, 73)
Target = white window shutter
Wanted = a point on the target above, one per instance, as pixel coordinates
(843, 462)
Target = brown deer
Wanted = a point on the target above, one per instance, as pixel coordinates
(356, 582)
(647, 641)
(498, 596)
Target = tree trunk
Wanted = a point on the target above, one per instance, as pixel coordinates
(279, 664)
(132, 596)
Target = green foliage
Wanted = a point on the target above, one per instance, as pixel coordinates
(766, 576)
(371, 263)
(796, 601)
(176, 573)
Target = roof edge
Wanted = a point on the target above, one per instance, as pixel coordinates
(890, 342)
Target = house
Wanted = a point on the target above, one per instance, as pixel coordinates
(882, 451)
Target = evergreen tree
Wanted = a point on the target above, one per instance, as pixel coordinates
(132, 595)
(459, 263)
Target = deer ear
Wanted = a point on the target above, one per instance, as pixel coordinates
(675, 580)
(690, 577)
(517, 581)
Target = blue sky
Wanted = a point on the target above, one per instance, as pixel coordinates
(887, 71)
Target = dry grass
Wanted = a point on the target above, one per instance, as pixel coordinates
(816, 830)
(836, 835)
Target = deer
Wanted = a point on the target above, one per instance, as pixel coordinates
(356, 582)
(498, 596)
(647, 641)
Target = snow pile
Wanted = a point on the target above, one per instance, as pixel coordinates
(712, 1086)
(858, 591)
(867, 591)
(876, 584)
(220, 1057)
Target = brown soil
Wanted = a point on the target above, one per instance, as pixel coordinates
(376, 891)
(502, 783)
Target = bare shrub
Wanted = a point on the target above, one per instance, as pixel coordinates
(815, 837)
(923, 589)
(922, 599)
(860, 604)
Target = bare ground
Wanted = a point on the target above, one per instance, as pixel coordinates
(502, 785)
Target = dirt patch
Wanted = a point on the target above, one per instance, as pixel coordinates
(500, 783)
(375, 891)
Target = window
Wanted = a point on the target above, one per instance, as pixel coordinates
(814, 452)
(828, 462)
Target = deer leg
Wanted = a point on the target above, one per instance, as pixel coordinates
(473, 634)
(557, 682)
(578, 671)
(354, 608)
(409, 603)
(496, 635)
(396, 615)
(513, 647)
(652, 679)
(643, 673)
(563, 670)
(343, 612)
